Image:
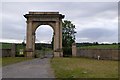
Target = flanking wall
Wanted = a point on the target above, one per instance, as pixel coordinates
(5, 52)
(9, 52)
(111, 54)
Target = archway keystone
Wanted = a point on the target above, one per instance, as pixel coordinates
(34, 20)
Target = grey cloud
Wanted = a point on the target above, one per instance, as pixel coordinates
(14, 25)
(13, 31)
(89, 9)
(95, 33)
(44, 33)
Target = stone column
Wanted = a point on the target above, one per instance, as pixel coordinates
(29, 45)
(60, 38)
(34, 37)
(13, 50)
(56, 42)
(74, 50)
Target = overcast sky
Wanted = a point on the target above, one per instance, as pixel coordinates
(94, 21)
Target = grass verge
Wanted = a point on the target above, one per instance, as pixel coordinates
(84, 68)
(11, 60)
(100, 47)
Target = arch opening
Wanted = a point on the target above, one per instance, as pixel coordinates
(44, 34)
(43, 46)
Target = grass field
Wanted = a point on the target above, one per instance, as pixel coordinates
(100, 47)
(6, 45)
(9, 45)
(84, 68)
(11, 60)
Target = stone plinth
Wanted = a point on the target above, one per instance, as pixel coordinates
(74, 49)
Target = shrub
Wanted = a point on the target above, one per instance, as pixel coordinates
(67, 52)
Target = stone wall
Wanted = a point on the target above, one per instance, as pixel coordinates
(5, 52)
(111, 54)
(9, 52)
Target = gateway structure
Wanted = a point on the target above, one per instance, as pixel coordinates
(34, 20)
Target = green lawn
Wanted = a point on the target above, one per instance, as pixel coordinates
(84, 68)
(12, 60)
(9, 45)
(100, 47)
(6, 46)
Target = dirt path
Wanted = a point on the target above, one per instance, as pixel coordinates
(36, 68)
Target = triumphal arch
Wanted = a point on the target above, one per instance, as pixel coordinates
(34, 20)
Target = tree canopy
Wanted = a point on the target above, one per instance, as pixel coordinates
(68, 37)
(68, 33)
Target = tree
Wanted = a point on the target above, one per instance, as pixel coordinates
(95, 43)
(68, 37)
(68, 33)
(52, 43)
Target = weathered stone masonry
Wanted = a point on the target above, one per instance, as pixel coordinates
(34, 20)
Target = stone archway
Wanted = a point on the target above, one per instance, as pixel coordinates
(34, 20)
